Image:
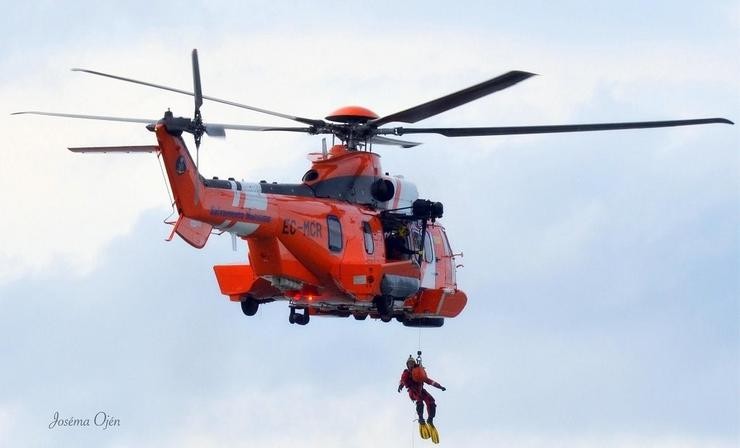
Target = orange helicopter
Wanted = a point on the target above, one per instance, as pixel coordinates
(348, 239)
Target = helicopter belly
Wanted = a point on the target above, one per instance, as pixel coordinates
(270, 259)
(239, 281)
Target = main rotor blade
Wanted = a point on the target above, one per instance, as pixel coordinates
(378, 140)
(198, 92)
(114, 149)
(213, 129)
(512, 130)
(89, 117)
(453, 100)
(308, 121)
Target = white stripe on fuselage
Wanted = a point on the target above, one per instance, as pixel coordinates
(243, 228)
(255, 199)
(235, 202)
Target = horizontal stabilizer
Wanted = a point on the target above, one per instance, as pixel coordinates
(114, 149)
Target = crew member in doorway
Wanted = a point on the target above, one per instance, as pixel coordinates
(395, 245)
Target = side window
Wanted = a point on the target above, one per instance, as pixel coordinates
(335, 233)
(428, 250)
(368, 236)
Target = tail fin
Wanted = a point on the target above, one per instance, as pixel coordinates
(182, 173)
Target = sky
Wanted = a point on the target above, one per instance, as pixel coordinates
(602, 269)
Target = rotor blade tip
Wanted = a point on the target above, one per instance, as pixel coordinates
(720, 120)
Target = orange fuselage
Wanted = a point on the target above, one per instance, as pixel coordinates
(319, 244)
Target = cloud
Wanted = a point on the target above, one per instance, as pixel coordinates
(149, 322)
(7, 421)
(601, 269)
(290, 416)
(147, 337)
(602, 440)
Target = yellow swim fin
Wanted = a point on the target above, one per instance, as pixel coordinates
(433, 433)
(424, 431)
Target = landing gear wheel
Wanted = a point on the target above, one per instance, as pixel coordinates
(385, 307)
(300, 319)
(360, 316)
(292, 315)
(249, 306)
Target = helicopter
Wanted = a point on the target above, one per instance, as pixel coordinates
(348, 240)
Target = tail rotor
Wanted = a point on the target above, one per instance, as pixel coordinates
(198, 127)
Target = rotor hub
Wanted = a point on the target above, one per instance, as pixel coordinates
(352, 115)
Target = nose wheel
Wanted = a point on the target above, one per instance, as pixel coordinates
(296, 318)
